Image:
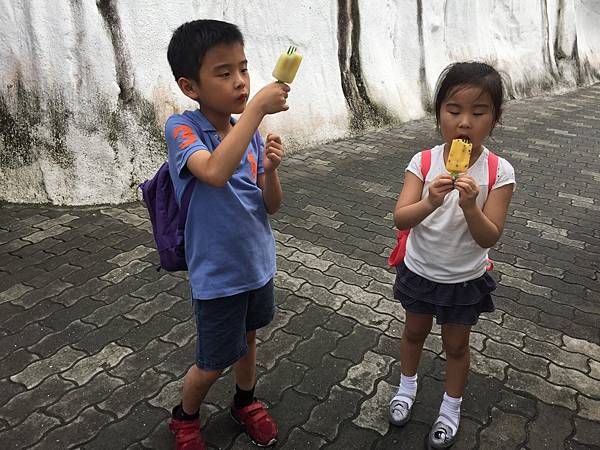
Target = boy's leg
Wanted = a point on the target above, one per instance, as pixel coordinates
(196, 384)
(245, 367)
(220, 341)
(246, 410)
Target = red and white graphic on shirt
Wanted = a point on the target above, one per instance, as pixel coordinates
(184, 135)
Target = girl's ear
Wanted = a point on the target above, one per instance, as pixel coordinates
(188, 87)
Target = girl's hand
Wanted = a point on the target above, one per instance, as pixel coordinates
(273, 152)
(468, 190)
(439, 187)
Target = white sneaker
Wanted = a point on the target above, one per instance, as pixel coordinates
(399, 412)
(441, 436)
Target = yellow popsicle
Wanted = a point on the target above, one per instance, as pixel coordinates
(459, 157)
(287, 65)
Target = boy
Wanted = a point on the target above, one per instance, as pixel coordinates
(229, 246)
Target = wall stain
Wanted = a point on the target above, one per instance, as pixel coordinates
(112, 21)
(21, 124)
(364, 111)
(426, 100)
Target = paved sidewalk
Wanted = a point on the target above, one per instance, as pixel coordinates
(94, 341)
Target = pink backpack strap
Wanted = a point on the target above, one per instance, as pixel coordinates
(492, 170)
(425, 163)
(492, 174)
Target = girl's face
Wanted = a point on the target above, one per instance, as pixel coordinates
(467, 112)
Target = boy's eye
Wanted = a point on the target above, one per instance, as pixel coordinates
(454, 113)
(245, 70)
(224, 74)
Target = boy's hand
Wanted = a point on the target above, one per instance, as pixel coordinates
(439, 187)
(271, 98)
(273, 152)
(468, 190)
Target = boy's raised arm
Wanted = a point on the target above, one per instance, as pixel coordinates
(216, 168)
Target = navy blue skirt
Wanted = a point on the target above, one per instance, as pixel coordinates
(459, 303)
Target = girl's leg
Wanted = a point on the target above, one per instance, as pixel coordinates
(416, 330)
(456, 345)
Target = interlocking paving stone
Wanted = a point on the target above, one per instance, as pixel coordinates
(41, 369)
(29, 431)
(77, 432)
(354, 345)
(506, 431)
(25, 403)
(86, 368)
(94, 342)
(122, 399)
(325, 419)
(588, 433)
(320, 377)
(550, 428)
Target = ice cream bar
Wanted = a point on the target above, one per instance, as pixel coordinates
(287, 65)
(459, 157)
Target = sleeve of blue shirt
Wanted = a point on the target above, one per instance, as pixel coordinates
(182, 142)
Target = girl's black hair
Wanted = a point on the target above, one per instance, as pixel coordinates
(192, 40)
(475, 74)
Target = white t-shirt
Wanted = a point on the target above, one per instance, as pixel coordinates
(441, 247)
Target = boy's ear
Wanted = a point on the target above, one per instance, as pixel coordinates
(188, 87)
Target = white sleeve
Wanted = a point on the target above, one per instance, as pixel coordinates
(414, 165)
(506, 174)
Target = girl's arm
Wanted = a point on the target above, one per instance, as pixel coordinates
(485, 225)
(411, 209)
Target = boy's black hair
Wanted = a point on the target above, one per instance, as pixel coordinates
(475, 74)
(192, 40)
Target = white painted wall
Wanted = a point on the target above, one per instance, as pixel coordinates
(57, 55)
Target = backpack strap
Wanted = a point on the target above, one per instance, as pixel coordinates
(492, 174)
(425, 163)
(492, 170)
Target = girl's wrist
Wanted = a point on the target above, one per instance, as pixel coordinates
(430, 205)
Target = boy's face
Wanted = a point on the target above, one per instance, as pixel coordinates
(223, 82)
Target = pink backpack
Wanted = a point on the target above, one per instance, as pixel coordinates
(399, 250)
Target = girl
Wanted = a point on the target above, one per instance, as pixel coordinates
(453, 222)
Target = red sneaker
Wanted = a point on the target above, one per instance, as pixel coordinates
(260, 427)
(187, 434)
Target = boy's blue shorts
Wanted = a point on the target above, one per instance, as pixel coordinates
(222, 324)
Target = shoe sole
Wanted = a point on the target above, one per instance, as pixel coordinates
(258, 444)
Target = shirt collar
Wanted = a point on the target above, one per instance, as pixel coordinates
(205, 124)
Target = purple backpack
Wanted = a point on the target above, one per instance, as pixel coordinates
(167, 217)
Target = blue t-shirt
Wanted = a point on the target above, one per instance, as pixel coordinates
(229, 245)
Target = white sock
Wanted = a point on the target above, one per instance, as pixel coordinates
(450, 412)
(408, 388)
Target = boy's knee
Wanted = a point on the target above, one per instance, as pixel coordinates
(198, 375)
(251, 337)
